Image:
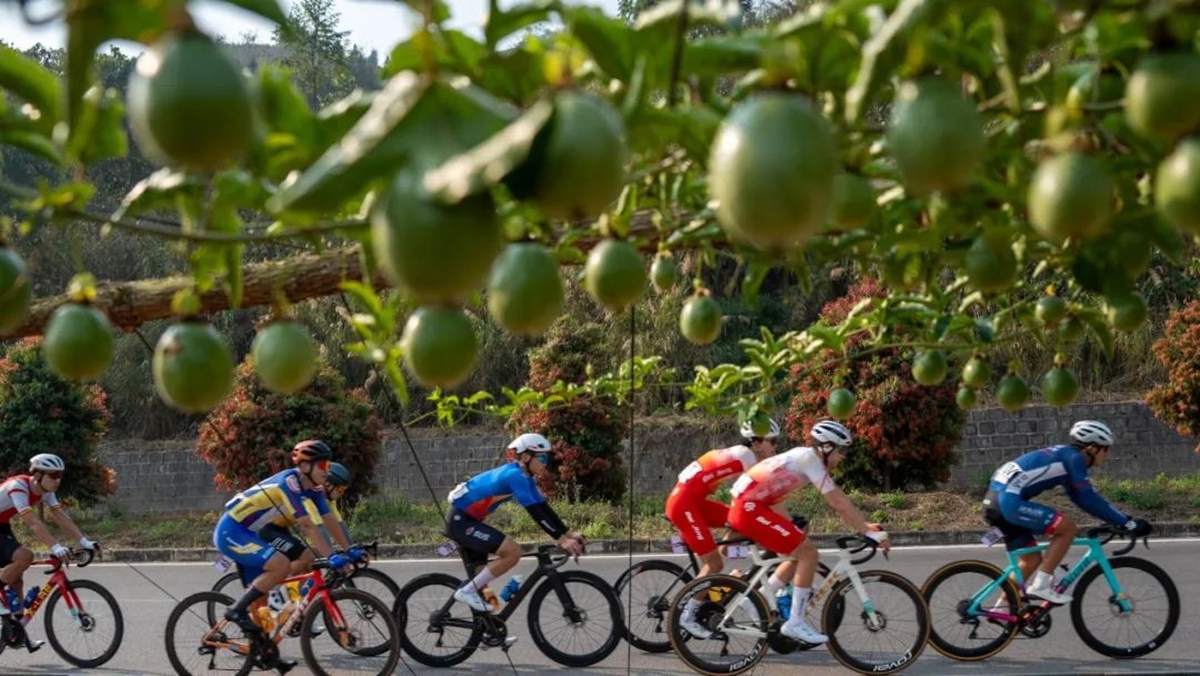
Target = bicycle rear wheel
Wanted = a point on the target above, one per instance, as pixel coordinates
(735, 646)
(1153, 615)
(886, 642)
(88, 631)
(954, 631)
(434, 629)
(355, 629)
(197, 648)
(581, 625)
(648, 588)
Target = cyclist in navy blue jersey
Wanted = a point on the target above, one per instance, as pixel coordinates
(473, 500)
(1008, 505)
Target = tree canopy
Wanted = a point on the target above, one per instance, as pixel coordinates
(1007, 170)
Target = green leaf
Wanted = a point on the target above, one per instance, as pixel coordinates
(410, 123)
(504, 22)
(363, 294)
(488, 163)
(158, 191)
(907, 14)
(33, 143)
(1167, 239)
(451, 51)
(1099, 325)
(25, 78)
(660, 23)
(610, 42)
(267, 9)
(99, 132)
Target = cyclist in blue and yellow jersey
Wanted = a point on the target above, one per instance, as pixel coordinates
(1007, 505)
(254, 531)
(473, 500)
(337, 482)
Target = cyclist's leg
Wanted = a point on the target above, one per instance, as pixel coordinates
(477, 541)
(1039, 519)
(262, 565)
(774, 530)
(15, 559)
(695, 518)
(303, 564)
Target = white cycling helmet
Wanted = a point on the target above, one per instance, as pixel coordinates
(531, 443)
(46, 462)
(772, 430)
(1092, 432)
(831, 432)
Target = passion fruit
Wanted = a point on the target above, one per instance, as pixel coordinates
(1012, 393)
(1177, 186)
(1162, 96)
(78, 342)
(854, 204)
(525, 293)
(1071, 197)
(841, 403)
(771, 172)
(440, 347)
(615, 274)
(1050, 310)
(189, 105)
(991, 265)
(16, 290)
(285, 356)
(700, 319)
(1060, 387)
(935, 134)
(664, 274)
(977, 373)
(966, 398)
(438, 253)
(1126, 311)
(193, 367)
(929, 367)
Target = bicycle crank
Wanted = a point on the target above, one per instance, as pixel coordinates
(495, 634)
(1037, 626)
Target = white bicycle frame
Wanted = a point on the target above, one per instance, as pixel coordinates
(843, 568)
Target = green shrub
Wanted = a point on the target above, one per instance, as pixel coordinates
(42, 413)
(250, 435)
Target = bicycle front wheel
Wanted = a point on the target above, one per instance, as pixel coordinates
(958, 633)
(736, 644)
(648, 588)
(88, 629)
(357, 625)
(1150, 616)
(581, 623)
(881, 633)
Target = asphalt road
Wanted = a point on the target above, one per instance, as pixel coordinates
(1060, 652)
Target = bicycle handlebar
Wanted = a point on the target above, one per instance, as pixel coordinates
(80, 557)
(864, 543)
(1105, 533)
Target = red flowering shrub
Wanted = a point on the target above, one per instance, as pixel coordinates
(43, 413)
(586, 433)
(904, 432)
(250, 435)
(1177, 401)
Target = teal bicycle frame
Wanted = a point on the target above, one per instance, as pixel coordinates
(1093, 556)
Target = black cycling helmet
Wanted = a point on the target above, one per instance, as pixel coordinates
(338, 474)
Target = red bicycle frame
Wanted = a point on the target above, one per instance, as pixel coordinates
(58, 580)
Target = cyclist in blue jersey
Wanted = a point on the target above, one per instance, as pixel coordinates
(254, 531)
(1008, 505)
(472, 501)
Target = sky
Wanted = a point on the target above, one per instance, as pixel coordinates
(373, 24)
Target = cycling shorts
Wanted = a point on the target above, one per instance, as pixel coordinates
(476, 540)
(695, 517)
(1021, 521)
(250, 550)
(766, 527)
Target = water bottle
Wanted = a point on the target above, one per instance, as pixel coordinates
(783, 601)
(306, 586)
(490, 597)
(32, 595)
(511, 588)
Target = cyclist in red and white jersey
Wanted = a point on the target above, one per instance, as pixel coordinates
(18, 496)
(758, 512)
(695, 514)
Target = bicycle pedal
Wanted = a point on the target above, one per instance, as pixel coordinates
(284, 666)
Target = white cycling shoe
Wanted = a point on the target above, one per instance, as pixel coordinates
(801, 631)
(470, 596)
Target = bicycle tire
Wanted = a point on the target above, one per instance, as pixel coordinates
(547, 646)
(681, 641)
(381, 611)
(1091, 574)
(222, 586)
(656, 606)
(940, 641)
(209, 599)
(400, 612)
(118, 621)
(834, 613)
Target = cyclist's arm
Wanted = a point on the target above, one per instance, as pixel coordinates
(1083, 494)
(38, 528)
(525, 491)
(336, 530)
(314, 536)
(840, 502)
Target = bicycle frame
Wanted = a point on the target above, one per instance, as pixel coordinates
(763, 566)
(1093, 556)
(58, 580)
(318, 591)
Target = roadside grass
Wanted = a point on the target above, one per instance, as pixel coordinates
(393, 519)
